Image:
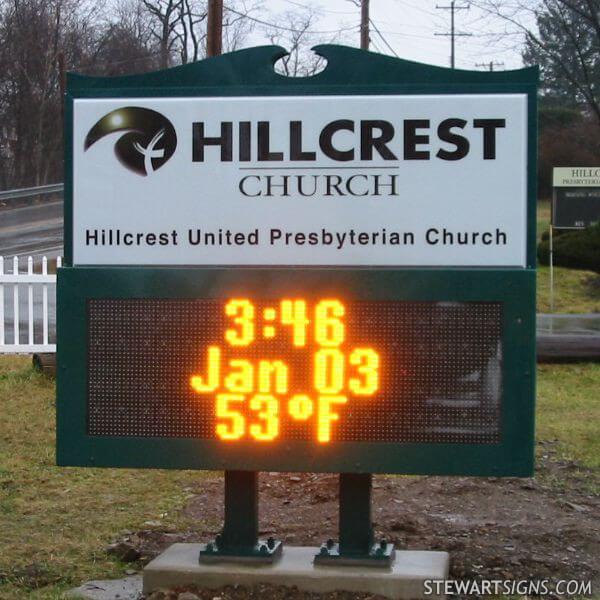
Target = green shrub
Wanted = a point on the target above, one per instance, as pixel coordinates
(573, 249)
(556, 233)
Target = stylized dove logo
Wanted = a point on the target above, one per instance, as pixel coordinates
(148, 144)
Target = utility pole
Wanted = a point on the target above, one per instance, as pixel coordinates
(214, 28)
(453, 8)
(490, 65)
(364, 24)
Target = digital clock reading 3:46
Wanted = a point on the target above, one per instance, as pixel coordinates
(254, 394)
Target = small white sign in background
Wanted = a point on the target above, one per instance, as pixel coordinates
(576, 177)
(436, 203)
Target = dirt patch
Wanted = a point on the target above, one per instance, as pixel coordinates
(546, 527)
(259, 592)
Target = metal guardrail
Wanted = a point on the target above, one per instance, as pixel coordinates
(53, 188)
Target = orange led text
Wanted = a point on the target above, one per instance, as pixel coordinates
(252, 397)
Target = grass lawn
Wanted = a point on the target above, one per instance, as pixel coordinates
(55, 522)
(568, 410)
(574, 291)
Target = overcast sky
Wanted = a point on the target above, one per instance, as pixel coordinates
(409, 27)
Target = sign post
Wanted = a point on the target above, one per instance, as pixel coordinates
(325, 274)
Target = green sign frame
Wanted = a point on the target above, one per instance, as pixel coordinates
(250, 73)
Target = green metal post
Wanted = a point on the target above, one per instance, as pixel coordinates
(356, 545)
(238, 540)
(355, 527)
(240, 529)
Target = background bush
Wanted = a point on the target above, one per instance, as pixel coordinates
(573, 249)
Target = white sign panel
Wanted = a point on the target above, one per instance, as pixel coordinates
(576, 177)
(326, 180)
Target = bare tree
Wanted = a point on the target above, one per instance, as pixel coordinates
(179, 27)
(32, 34)
(122, 43)
(131, 17)
(166, 18)
(236, 23)
(100, 37)
(563, 37)
(191, 37)
(294, 31)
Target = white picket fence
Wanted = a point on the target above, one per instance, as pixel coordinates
(33, 283)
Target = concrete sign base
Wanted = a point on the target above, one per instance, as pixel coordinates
(178, 566)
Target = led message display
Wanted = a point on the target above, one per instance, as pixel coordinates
(324, 370)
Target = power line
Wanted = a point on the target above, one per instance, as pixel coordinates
(432, 49)
(418, 42)
(409, 35)
(319, 9)
(292, 29)
(374, 44)
(411, 27)
(419, 8)
(491, 34)
(490, 65)
(453, 8)
(382, 38)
